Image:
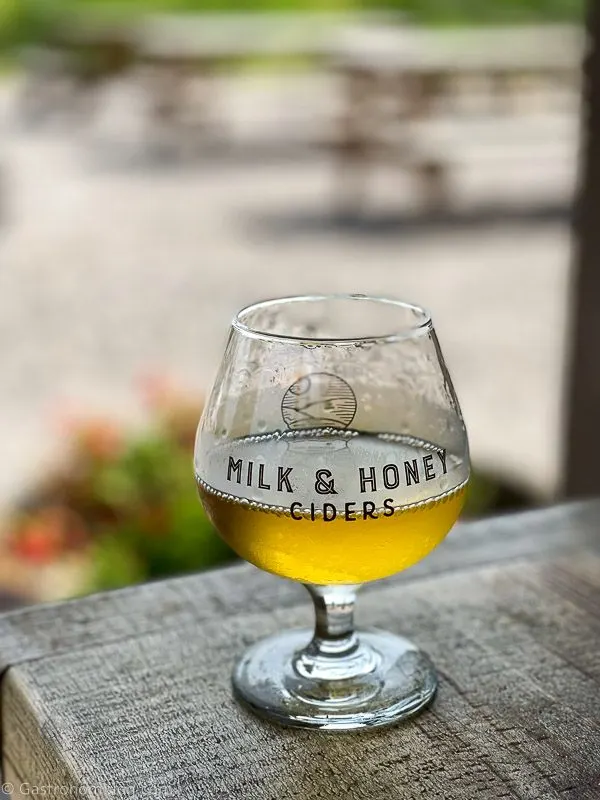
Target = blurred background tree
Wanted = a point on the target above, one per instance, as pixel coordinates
(122, 506)
(28, 20)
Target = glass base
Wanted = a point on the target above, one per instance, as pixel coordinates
(382, 680)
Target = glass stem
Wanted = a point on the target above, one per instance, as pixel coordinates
(334, 635)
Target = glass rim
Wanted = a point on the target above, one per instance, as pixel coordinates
(424, 325)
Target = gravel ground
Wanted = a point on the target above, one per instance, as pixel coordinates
(112, 267)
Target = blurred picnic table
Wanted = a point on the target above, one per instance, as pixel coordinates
(177, 58)
(404, 75)
(197, 38)
(393, 77)
(187, 53)
(445, 53)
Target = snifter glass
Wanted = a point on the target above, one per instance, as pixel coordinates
(332, 451)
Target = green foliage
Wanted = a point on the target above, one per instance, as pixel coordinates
(492, 494)
(429, 11)
(126, 503)
(433, 11)
(30, 20)
(471, 12)
(159, 527)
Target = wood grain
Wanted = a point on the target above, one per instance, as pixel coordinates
(127, 695)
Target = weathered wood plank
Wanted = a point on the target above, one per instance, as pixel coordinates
(154, 715)
(38, 631)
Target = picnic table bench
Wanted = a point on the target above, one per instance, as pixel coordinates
(180, 49)
(395, 79)
(126, 694)
(76, 58)
(188, 52)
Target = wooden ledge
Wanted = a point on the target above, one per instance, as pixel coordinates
(126, 694)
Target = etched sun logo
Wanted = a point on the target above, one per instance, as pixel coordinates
(319, 400)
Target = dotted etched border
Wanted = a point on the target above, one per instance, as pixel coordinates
(254, 505)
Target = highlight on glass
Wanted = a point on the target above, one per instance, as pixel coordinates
(332, 451)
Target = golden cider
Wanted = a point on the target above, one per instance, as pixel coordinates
(337, 551)
(328, 511)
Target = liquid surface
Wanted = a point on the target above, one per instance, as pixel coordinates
(342, 507)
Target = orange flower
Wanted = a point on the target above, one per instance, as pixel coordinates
(99, 439)
(95, 437)
(158, 392)
(44, 537)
